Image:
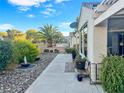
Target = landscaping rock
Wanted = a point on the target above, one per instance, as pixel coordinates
(19, 80)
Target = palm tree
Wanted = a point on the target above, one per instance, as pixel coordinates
(10, 34)
(48, 32)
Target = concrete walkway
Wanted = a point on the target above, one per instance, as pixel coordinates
(54, 79)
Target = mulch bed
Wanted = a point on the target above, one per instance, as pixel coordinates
(19, 80)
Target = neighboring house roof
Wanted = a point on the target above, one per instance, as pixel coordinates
(90, 5)
(72, 34)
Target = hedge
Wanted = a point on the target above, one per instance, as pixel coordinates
(26, 48)
(73, 51)
(112, 74)
(6, 53)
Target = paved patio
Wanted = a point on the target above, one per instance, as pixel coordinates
(54, 79)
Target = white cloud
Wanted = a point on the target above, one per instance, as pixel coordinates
(65, 28)
(49, 6)
(60, 1)
(23, 8)
(65, 24)
(48, 11)
(6, 26)
(26, 3)
(31, 15)
(65, 33)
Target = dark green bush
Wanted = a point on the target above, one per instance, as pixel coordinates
(51, 51)
(56, 51)
(112, 74)
(69, 50)
(6, 53)
(46, 50)
(26, 48)
(73, 51)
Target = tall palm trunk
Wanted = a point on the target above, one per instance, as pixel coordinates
(50, 43)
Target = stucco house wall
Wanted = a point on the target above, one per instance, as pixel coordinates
(97, 23)
(100, 42)
(86, 16)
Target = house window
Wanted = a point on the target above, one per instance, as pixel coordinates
(116, 36)
(84, 41)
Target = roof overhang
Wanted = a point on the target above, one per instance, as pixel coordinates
(104, 5)
(108, 2)
(116, 6)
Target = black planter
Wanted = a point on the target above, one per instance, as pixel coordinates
(37, 59)
(80, 65)
(73, 56)
(23, 65)
(79, 77)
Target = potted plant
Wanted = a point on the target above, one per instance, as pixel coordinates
(80, 62)
(72, 51)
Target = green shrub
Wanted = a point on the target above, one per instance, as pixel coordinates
(79, 59)
(73, 51)
(51, 51)
(69, 50)
(112, 74)
(26, 48)
(6, 53)
(56, 51)
(14, 58)
(46, 50)
(80, 62)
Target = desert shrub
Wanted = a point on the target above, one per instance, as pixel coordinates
(14, 57)
(56, 51)
(6, 53)
(51, 51)
(28, 49)
(112, 74)
(46, 50)
(69, 50)
(73, 51)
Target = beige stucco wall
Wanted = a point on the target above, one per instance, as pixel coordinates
(96, 40)
(100, 42)
(86, 16)
(90, 37)
(99, 47)
(97, 33)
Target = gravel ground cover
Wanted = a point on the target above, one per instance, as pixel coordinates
(19, 80)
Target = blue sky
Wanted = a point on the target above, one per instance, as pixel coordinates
(27, 14)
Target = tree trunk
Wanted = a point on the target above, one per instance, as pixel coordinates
(50, 44)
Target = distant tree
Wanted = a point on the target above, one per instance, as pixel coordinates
(34, 36)
(10, 34)
(15, 34)
(49, 33)
(30, 34)
(3, 34)
(58, 38)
